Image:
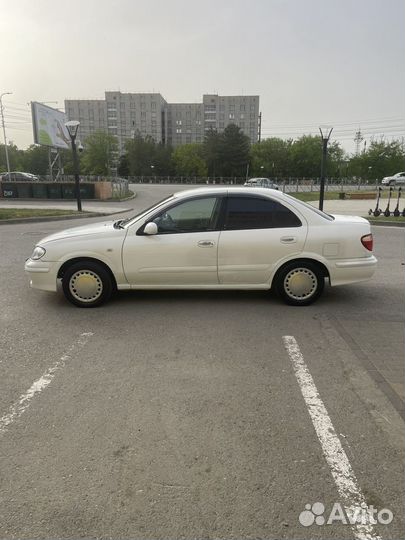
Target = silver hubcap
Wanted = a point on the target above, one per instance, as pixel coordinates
(85, 286)
(300, 283)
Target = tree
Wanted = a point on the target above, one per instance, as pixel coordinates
(14, 157)
(234, 147)
(381, 159)
(271, 158)
(188, 160)
(99, 153)
(123, 165)
(163, 163)
(210, 151)
(141, 155)
(145, 158)
(306, 154)
(36, 160)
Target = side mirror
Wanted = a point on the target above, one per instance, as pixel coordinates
(150, 228)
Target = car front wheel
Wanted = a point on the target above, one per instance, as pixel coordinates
(300, 283)
(87, 284)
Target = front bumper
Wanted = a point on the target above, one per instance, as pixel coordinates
(42, 274)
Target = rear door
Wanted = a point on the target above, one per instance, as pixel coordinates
(258, 232)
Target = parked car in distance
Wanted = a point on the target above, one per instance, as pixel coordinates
(261, 182)
(17, 176)
(396, 179)
(208, 238)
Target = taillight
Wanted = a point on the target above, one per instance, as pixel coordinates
(367, 241)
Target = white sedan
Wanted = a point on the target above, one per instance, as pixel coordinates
(208, 238)
(394, 180)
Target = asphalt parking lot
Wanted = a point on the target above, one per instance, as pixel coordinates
(199, 414)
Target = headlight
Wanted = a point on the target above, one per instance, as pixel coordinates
(38, 253)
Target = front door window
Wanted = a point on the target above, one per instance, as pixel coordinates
(197, 215)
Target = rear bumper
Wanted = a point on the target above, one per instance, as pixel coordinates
(42, 274)
(347, 271)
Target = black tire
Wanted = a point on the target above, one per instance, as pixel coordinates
(300, 283)
(96, 287)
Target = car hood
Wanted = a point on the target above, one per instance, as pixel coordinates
(94, 228)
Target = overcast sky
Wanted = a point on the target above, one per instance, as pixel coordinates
(311, 62)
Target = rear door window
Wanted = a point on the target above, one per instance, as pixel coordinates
(257, 213)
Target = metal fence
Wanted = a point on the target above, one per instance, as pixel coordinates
(291, 184)
(285, 184)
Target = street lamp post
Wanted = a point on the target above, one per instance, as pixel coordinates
(4, 131)
(72, 127)
(325, 136)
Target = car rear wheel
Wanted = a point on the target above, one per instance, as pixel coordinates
(87, 284)
(300, 283)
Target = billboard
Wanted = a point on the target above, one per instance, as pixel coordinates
(49, 126)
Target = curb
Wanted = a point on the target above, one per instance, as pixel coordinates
(104, 201)
(386, 223)
(60, 218)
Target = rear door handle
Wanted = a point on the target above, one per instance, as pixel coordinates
(288, 239)
(205, 243)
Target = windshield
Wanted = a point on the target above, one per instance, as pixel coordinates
(310, 207)
(145, 211)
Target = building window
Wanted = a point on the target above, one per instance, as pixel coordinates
(178, 122)
(153, 106)
(178, 130)
(231, 116)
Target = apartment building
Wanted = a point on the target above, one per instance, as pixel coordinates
(126, 115)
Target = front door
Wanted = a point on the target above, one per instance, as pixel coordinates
(184, 252)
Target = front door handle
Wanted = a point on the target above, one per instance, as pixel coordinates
(205, 243)
(288, 239)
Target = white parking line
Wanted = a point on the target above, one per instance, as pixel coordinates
(342, 472)
(22, 404)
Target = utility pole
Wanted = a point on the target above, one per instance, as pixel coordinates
(4, 131)
(259, 134)
(72, 127)
(325, 136)
(357, 139)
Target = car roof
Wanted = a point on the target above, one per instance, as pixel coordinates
(224, 190)
(258, 178)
